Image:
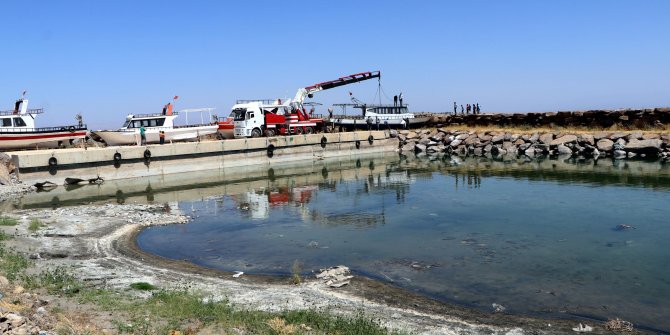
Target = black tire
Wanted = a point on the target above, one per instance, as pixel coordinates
(298, 131)
(371, 139)
(256, 132)
(53, 162)
(358, 144)
(71, 129)
(117, 157)
(271, 150)
(270, 132)
(147, 154)
(309, 130)
(324, 140)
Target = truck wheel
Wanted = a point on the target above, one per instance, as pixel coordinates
(309, 130)
(298, 130)
(270, 133)
(256, 132)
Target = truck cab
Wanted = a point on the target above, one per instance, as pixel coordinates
(253, 118)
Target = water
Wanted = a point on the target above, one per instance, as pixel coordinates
(537, 237)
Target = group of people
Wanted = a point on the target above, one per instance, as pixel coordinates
(397, 98)
(474, 108)
(143, 136)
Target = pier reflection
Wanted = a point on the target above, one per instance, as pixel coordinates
(261, 188)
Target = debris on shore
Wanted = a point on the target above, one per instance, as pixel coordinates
(335, 277)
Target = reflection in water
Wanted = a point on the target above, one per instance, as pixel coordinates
(534, 236)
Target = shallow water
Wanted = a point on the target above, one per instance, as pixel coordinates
(536, 237)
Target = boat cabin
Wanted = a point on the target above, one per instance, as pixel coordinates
(20, 117)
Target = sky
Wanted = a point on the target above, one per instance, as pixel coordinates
(106, 59)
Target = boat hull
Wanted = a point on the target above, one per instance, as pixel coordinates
(28, 139)
(384, 122)
(128, 137)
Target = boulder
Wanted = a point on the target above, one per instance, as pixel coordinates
(409, 147)
(564, 139)
(530, 152)
(563, 150)
(605, 145)
(533, 138)
(634, 136)
(600, 135)
(420, 147)
(586, 139)
(498, 138)
(652, 145)
(455, 143)
(546, 138)
(651, 136)
(619, 154)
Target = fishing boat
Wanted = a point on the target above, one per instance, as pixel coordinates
(226, 128)
(384, 116)
(18, 131)
(153, 124)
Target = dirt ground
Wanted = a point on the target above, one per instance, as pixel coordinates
(97, 244)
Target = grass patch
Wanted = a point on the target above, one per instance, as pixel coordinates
(59, 281)
(4, 236)
(7, 221)
(182, 310)
(296, 268)
(35, 225)
(142, 286)
(12, 264)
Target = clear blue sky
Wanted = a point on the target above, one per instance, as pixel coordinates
(105, 59)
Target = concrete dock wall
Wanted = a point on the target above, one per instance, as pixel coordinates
(34, 166)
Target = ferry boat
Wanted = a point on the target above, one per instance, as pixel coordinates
(386, 116)
(18, 131)
(153, 124)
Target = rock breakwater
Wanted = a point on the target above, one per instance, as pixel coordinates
(618, 145)
(626, 119)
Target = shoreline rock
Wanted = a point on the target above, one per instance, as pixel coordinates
(616, 145)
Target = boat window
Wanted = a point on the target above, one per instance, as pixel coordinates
(7, 122)
(126, 125)
(160, 122)
(152, 123)
(18, 122)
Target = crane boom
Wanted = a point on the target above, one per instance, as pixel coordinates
(346, 80)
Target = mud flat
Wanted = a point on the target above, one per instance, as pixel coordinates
(96, 243)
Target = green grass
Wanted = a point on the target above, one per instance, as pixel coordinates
(4, 236)
(7, 221)
(35, 225)
(12, 264)
(179, 309)
(142, 286)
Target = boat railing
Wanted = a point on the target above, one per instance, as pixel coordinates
(30, 111)
(72, 128)
(262, 101)
(151, 115)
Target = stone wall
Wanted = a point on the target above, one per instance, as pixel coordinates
(619, 145)
(625, 119)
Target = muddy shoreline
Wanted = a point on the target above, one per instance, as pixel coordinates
(97, 243)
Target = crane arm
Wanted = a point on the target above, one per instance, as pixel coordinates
(346, 80)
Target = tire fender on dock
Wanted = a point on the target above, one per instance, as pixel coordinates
(53, 162)
(147, 154)
(371, 139)
(324, 140)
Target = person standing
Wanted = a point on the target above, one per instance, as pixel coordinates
(467, 109)
(478, 110)
(143, 136)
(161, 137)
(455, 107)
(395, 100)
(461, 109)
(400, 99)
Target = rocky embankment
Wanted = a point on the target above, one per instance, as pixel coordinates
(618, 145)
(626, 119)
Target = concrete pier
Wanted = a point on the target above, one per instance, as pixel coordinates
(123, 162)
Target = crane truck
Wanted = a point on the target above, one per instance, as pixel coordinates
(255, 118)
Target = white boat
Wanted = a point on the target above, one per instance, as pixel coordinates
(373, 116)
(129, 133)
(17, 129)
